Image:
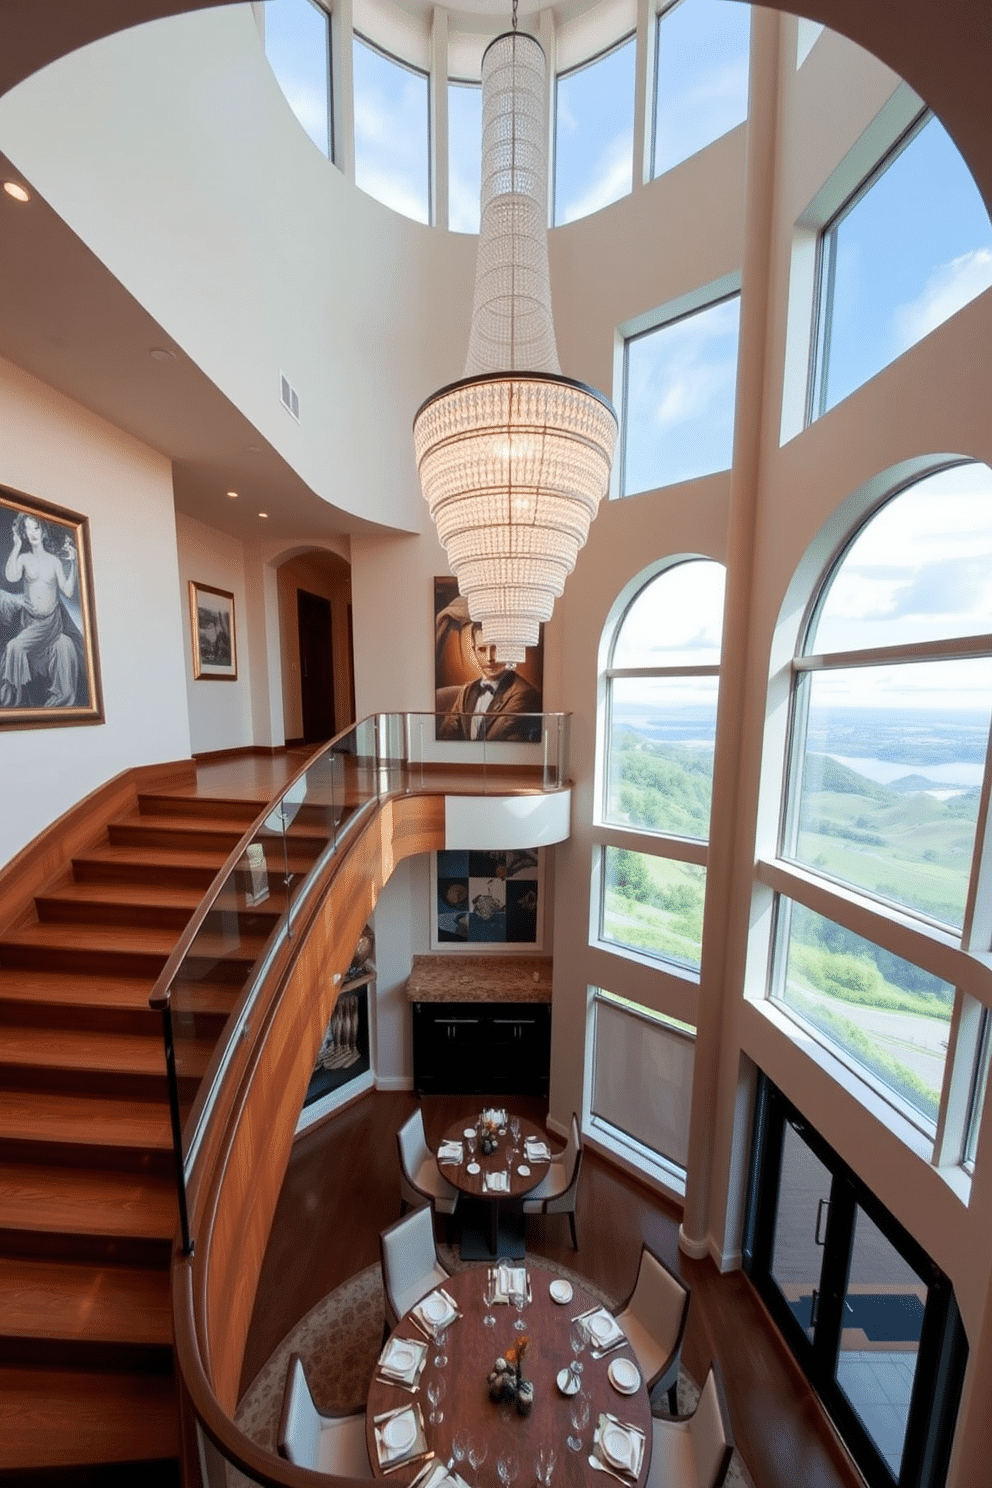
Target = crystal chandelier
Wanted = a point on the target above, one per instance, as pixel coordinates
(513, 459)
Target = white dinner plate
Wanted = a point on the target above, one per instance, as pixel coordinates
(400, 1433)
(616, 1445)
(524, 1170)
(600, 1327)
(435, 1309)
(401, 1358)
(624, 1376)
(560, 1291)
(472, 1167)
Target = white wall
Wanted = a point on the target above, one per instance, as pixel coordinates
(55, 450)
(219, 708)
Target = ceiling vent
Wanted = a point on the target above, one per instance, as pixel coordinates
(290, 397)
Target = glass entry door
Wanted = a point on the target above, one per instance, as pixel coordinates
(871, 1319)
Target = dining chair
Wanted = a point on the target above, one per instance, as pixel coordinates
(558, 1189)
(419, 1175)
(694, 1451)
(654, 1318)
(328, 1444)
(410, 1264)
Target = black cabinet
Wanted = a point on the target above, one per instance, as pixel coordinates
(484, 1048)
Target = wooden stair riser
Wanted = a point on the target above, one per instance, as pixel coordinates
(122, 1085)
(79, 1018)
(105, 960)
(244, 812)
(83, 1154)
(96, 1250)
(178, 873)
(55, 910)
(158, 833)
(86, 1354)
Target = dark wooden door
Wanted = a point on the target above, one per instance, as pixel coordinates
(316, 666)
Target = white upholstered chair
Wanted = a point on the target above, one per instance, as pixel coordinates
(410, 1265)
(327, 1444)
(420, 1179)
(654, 1318)
(694, 1451)
(558, 1189)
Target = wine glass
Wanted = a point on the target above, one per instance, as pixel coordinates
(544, 1465)
(507, 1467)
(478, 1451)
(440, 1339)
(576, 1342)
(459, 1447)
(515, 1131)
(520, 1302)
(579, 1417)
(489, 1318)
(435, 1394)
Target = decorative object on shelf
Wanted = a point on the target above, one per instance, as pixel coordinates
(49, 670)
(256, 874)
(515, 458)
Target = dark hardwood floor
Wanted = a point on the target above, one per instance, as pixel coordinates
(341, 1189)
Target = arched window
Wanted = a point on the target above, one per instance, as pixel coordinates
(701, 77)
(884, 820)
(594, 133)
(661, 685)
(298, 47)
(392, 135)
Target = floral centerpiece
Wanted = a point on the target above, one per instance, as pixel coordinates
(506, 1378)
(487, 1129)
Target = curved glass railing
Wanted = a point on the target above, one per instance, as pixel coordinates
(207, 990)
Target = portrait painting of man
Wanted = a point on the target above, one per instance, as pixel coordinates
(477, 697)
(48, 668)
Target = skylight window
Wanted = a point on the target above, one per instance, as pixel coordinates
(392, 138)
(594, 133)
(701, 77)
(298, 48)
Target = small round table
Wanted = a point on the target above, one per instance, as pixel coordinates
(473, 1185)
(471, 1349)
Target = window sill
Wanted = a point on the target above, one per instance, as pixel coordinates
(636, 1159)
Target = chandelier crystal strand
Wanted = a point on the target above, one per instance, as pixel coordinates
(513, 459)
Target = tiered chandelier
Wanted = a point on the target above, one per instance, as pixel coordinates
(513, 459)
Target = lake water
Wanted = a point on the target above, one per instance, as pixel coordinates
(960, 773)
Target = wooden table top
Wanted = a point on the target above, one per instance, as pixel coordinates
(472, 1348)
(473, 1183)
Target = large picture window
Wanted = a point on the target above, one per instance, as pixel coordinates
(679, 389)
(883, 820)
(392, 134)
(908, 249)
(701, 77)
(298, 48)
(594, 133)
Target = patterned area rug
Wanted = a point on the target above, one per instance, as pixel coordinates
(339, 1342)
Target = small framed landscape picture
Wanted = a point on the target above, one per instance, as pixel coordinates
(49, 666)
(215, 651)
(487, 899)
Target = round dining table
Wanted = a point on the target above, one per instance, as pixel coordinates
(471, 1349)
(523, 1176)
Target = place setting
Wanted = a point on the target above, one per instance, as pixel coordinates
(402, 1362)
(602, 1331)
(435, 1313)
(399, 1437)
(618, 1448)
(451, 1152)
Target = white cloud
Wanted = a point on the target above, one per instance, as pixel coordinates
(948, 288)
(611, 181)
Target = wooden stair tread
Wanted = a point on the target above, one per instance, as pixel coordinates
(59, 989)
(68, 1301)
(127, 856)
(126, 892)
(147, 940)
(52, 1418)
(95, 1121)
(132, 1053)
(51, 1200)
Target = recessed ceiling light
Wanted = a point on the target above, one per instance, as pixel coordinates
(17, 191)
(254, 449)
(263, 514)
(162, 354)
(233, 495)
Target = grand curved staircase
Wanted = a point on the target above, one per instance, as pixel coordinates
(87, 1179)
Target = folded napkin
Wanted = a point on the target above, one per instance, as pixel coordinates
(619, 1445)
(602, 1329)
(439, 1476)
(402, 1360)
(497, 1182)
(450, 1152)
(436, 1310)
(536, 1150)
(511, 1281)
(399, 1434)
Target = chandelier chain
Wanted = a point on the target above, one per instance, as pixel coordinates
(514, 15)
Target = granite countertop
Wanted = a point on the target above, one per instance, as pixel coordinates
(480, 979)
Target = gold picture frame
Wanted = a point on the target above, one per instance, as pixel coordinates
(49, 662)
(213, 632)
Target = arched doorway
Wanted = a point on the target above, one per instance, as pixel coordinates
(315, 633)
